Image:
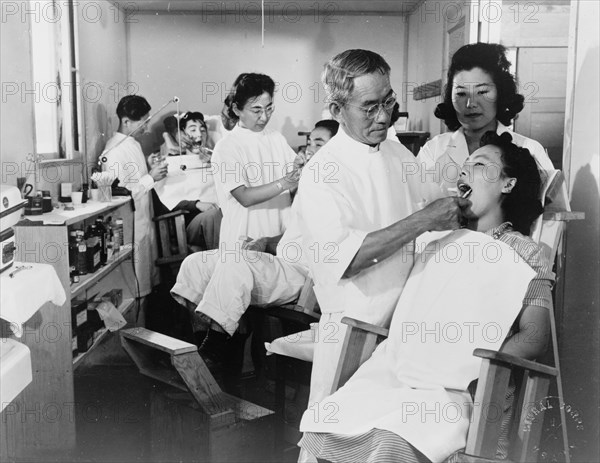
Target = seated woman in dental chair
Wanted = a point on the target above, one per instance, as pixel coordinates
(486, 286)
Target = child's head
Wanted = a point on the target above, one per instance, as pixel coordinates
(324, 130)
(193, 125)
(133, 111)
(505, 182)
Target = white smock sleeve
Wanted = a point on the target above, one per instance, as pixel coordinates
(131, 175)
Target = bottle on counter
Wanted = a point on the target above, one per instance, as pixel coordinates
(118, 235)
(73, 256)
(92, 241)
(85, 189)
(81, 253)
(109, 239)
(101, 233)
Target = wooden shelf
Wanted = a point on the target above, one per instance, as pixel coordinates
(87, 210)
(125, 307)
(87, 281)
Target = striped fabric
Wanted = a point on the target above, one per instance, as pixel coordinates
(539, 292)
(375, 446)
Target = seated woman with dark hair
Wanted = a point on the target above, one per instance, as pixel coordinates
(409, 401)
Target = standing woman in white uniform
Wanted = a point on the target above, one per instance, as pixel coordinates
(250, 165)
(481, 95)
(123, 157)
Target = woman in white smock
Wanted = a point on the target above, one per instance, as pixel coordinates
(481, 95)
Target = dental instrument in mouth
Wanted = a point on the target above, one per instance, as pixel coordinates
(465, 190)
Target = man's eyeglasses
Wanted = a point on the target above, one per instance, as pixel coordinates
(372, 111)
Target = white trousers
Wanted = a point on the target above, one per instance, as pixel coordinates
(224, 284)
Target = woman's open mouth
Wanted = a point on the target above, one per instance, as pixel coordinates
(464, 190)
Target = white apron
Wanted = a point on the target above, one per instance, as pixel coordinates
(188, 179)
(464, 292)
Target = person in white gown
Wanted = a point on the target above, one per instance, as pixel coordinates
(123, 157)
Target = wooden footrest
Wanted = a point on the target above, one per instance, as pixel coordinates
(178, 364)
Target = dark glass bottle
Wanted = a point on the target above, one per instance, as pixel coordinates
(82, 268)
(101, 233)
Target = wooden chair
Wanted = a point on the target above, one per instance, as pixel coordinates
(496, 368)
(274, 323)
(172, 239)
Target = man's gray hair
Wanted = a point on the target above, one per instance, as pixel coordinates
(341, 70)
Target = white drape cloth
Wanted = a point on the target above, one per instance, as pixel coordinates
(194, 182)
(464, 292)
(24, 294)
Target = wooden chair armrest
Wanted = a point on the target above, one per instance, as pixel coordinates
(493, 382)
(359, 343)
(563, 216)
(169, 215)
(515, 361)
(364, 326)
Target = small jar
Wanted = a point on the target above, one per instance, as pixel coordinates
(46, 201)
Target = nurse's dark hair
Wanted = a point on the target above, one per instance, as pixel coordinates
(133, 107)
(522, 205)
(247, 86)
(491, 57)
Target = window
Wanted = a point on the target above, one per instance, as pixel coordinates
(55, 78)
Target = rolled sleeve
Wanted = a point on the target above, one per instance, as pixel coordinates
(129, 174)
(147, 182)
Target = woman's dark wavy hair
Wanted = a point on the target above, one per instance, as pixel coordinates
(248, 85)
(491, 57)
(522, 205)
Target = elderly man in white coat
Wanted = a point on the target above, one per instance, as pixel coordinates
(357, 212)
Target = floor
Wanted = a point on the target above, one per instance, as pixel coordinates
(124, 416)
